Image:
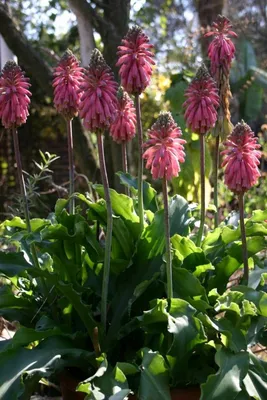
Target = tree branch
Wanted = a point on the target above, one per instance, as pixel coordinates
(97, 21)
(29, 57)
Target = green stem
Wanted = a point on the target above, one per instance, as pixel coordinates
(25, 202)
(140, 161)
(71, 166)
(216, 168)
(106, 267)
(167, 238)
(243, 237)
(202, 185)
(21, 179)
(125, 163)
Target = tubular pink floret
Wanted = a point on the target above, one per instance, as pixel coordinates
(202, 102)
(241, 159)
(221, 50)
(99, 88)
(14, 96)
(135, 61)
(164, 148)
(122, 129)
(67, 78)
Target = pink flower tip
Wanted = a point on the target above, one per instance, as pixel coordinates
(164, 148)
(14, 96)
(99, 88)
(241, 159)
(67, 78)
(202, 102)
(221, 50)
(122, 129)
(135, 61)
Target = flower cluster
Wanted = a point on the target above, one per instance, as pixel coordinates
(98, 99)
(164, 148)
(221, 50)
(202, 102)
(14, 96)
(67, 78)
(122, 128)
(241, 159)
(135, 61)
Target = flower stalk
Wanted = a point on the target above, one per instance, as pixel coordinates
(108, 242)
(140, 162)
(243, 237)
(71, 166)
(215, 180)
(167, 239)
(202, 189)
(125, 163)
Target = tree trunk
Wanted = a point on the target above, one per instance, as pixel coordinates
(42, 73)
(86, 34)
(207, 12)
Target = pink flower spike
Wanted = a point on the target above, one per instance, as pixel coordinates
(135, 61)
(241, 159)
(122, 129)
(164, 148)
(202, 102)
(99, 89)
(14, 96)
(67, 77)
(221, 50)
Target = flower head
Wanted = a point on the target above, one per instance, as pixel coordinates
(122, 129)
(164, 148)
(67, 77)
(14, 95)
(221, 50)
(135, 61)
(241, 159)
(202, 102)
(99, 89)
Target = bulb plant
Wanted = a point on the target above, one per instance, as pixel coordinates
(242, 157)
(97, 108)
(135, 62)
(123, 128)
(164, 153)
(221, 53)
(67, 77)
(14, 104)
(109, 320)
(201, 115)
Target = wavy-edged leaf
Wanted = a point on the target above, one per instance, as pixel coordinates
(180, 220)
(150, 202)
(12, 264)
(83, 310)
(17, 222)
(51, 355)
(190, 256)
(227, 383)
(154, 380)
(258, 297)
(187, 331)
